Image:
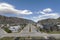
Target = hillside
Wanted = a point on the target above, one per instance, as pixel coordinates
(50, 25)
(49, 21)
(14, 20)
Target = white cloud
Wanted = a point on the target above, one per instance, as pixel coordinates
(8, 8)
(46, 16)
(45, 11)
(41, 12)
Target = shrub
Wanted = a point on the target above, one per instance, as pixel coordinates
(7, 30)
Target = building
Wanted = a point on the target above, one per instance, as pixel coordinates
(14, 28)
(39, 25)
(58, 27)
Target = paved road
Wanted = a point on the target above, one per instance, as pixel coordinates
(2, 32)
(29, 31)
(55, 35)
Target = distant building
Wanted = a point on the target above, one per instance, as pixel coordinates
(39, 25)
(14, 28)
(2, 25)
(58, 27)
(46, 27)
(8, 25)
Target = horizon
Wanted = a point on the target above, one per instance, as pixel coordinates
(30, 9)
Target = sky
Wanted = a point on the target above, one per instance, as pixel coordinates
(30, 9)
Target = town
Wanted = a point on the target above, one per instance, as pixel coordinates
(29, 20)
(27, 31)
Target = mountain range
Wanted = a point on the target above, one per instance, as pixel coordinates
(49, 21)
(14, 20)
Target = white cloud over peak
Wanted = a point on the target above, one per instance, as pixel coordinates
(45, 14)
(8, 8)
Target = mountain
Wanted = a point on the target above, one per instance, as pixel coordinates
(50, 25)
(14, 20)
(49, 21)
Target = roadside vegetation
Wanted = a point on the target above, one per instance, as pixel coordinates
(7, 38)
(28, 38)
(7, 30)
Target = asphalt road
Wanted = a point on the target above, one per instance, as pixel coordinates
(29, 31)
(2, 32)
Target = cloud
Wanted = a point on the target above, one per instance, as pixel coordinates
(52, 15)
(45, 11)
(41, 12)
(8, 8)
(45, 14)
